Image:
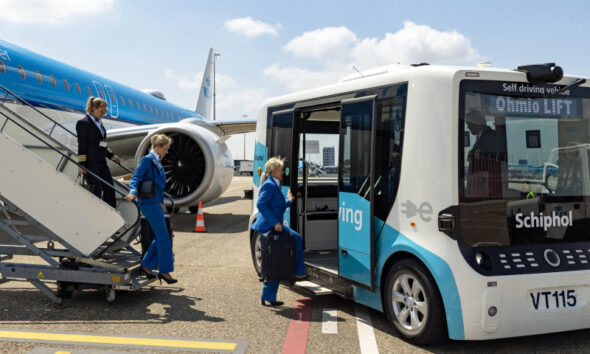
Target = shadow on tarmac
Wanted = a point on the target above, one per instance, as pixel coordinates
(227, 223)
(145, 306)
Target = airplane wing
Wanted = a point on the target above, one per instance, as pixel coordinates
(235, 127)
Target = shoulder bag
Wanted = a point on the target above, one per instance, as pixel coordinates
(147, 189)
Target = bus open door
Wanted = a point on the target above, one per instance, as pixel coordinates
(356, 179)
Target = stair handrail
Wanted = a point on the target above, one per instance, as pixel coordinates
(66, 157)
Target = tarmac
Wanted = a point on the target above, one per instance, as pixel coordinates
(215, 307)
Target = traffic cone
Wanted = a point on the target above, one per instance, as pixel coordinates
(200, 226)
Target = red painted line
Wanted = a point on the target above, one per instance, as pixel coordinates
(296, 339)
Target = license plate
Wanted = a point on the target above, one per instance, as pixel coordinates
(553, 299)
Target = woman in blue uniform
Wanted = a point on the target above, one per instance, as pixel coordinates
(271, 206)
(159, 254)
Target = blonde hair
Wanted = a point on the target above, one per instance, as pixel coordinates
(160, 140)
(271, 165)
(94, 102)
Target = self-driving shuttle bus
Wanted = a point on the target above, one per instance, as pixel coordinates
(454, 199)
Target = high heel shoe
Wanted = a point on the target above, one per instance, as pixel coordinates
(168, 279)
(271, 303)
(148, 273)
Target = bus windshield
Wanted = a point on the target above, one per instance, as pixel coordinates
(524, 169)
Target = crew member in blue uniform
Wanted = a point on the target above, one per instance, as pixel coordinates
(271, 206)
(93, 150)
(159, 254)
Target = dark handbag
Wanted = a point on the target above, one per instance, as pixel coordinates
(147, 189)
(278, 256)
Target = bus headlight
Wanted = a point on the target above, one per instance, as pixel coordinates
(483, 260)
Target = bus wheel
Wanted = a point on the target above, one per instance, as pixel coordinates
(256, 252)
(413, 304)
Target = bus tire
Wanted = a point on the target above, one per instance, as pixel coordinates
(256, 252)
(413, 304)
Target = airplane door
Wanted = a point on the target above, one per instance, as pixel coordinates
(113, 101)
(355, 191)
(281, 145)
(101, 94)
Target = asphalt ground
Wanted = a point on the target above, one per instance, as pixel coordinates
(217, 298)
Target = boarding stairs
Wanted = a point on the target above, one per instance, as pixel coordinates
(52, 228)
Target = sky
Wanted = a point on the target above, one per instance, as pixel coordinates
(271, 48)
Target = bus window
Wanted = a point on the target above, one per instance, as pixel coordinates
(282, 124)
(527, 158)
(388, 148)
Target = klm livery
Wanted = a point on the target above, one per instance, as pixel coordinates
(199, 165)
(454, 199)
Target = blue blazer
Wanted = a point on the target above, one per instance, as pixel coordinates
(271, 206)
(145, 171)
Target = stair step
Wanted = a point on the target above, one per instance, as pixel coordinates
(314, 288)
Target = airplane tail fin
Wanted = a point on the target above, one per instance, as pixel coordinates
(205, 101)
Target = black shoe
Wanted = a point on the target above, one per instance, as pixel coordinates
(168, 279)
(271, 303)
(301, 277)
(148, 273)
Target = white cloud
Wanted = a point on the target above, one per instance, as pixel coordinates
(193, 80)
(250, 28)
(328, 42)
(232, 101)
(337, 49)
(51, 12)
(295, 78)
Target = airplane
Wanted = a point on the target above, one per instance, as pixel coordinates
(199, 165)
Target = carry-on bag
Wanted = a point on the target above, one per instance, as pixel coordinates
(278, 256)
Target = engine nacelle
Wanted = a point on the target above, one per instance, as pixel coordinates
(199, 166)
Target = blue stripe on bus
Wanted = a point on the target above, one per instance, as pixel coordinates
(392, 241)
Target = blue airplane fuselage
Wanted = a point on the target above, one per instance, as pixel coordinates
(47, 83)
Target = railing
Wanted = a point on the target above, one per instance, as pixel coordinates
(26, 131)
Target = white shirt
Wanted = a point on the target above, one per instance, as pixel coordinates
(158, 158)
(277, 181)
(97, 123)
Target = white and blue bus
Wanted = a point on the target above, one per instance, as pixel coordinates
(454, 199)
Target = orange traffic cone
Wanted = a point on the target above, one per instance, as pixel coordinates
(200, 226)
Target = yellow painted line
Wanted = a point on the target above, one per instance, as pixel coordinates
(154, 342)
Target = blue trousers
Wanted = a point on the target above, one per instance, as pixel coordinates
(159, 254)
(271, 287)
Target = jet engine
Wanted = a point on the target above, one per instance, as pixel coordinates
(198, 166)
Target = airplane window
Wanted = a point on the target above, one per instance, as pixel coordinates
(2, 67)
(144, 107)
(21, 72)
(53, 81)
(138, 105)
(157, 112)
(113, 99)
(167, 115)
(66, 85)
(78, 89)
(130, 103)
(151, 110)
(88, 91)
(122, 101)
(38, 76)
